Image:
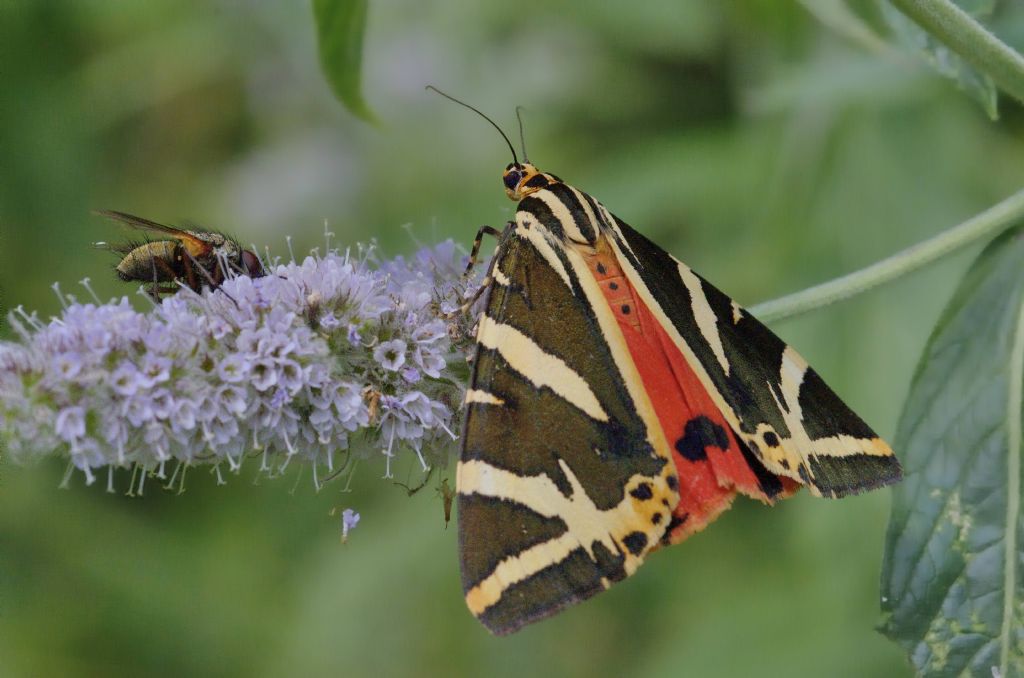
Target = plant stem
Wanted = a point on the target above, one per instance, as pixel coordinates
(988, 223)
(954, 28)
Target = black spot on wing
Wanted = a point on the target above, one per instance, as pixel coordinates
(642, 492)
(635, 542)
(699, 434)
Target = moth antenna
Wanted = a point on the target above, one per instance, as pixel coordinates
(504, 136)
(522, 137)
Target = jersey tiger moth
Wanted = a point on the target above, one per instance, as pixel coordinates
(618, 403)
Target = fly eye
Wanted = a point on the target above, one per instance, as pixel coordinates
(512, 180)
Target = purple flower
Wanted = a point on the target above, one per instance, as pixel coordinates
(353, 335)
(70, 424)
(390, 354)
(244, 371)
(125, 380)
(349, 520)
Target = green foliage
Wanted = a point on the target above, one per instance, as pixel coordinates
(952, 586)
(340, 25)
(950, 36)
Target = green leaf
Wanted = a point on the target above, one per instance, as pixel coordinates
(952, 583)
(942, 58)
(340, 25)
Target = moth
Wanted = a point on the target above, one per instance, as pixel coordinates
(618, 403)
(195, 258)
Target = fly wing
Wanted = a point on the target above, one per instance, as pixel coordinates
(194, 245)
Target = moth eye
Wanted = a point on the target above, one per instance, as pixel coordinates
(512, 180)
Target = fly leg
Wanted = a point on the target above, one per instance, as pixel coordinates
(160, 266)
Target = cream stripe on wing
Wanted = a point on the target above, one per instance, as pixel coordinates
(500, 277)
(561, 212)
(531, 230)
(706, 319)
(474, 395)
(791, 379)
(539, 367)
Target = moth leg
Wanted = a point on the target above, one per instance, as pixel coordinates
(488, 277)
(477, 241)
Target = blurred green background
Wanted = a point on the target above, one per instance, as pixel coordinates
(763, 148)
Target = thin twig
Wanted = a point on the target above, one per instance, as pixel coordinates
(986, 224)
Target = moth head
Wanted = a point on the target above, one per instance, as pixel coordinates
(521, 179)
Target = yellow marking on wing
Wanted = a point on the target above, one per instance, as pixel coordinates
(541, 368)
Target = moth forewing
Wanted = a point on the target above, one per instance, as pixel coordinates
(559, 447)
